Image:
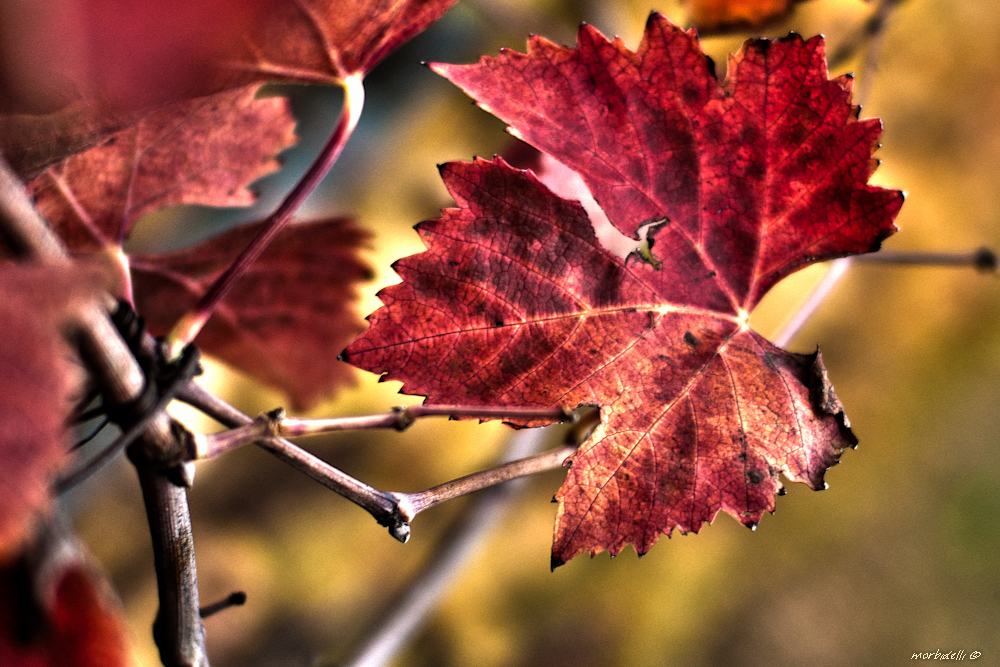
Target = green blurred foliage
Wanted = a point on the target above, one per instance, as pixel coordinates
(899, 556)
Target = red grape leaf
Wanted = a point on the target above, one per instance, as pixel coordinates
(57, 610)
(515, 302)
(38, 380)
(203, 151)
(285, 320)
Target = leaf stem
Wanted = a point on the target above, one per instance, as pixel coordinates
(191, 323)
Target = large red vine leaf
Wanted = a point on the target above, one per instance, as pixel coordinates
(38, 381)
(203, 151)
(515, 302)
(288, 316)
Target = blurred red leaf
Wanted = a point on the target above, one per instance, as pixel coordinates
(57, 611)
(74, 71)
(516, 303)
(327, 41)
(118, 54)
(203, 151)
(285, 320)
(33, 142)
(714, 15)
(142, 53)
(37, 383)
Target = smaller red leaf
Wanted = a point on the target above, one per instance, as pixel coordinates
(203, 151)
(37, 383)
(285, 320)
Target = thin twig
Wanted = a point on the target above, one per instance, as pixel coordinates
(983, 260)
(381, 505)
(461, 543)
(275, 423)
(412, 504)
(237, 599)
(93, 434)
(188, 327)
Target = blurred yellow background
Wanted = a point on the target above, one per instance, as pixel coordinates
(900, 555)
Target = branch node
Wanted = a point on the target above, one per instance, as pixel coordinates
(404, 419)
(985, 260)
(271, 422)
(237, 599)
(401, 531)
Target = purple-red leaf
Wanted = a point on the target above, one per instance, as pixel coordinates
(38, 381)
(203, 151)
(516, 302)
(288, 316)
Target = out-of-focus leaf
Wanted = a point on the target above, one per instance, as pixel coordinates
(56, 610)
(285, 320)
(203, 151)
(73, 71)
(714, 15)
(38, 380)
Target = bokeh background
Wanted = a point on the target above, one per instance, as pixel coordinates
(900, 555)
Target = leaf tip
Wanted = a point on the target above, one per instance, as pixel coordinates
(555, 562)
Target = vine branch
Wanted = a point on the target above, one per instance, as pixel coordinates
(177, 630)
(392, 509)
